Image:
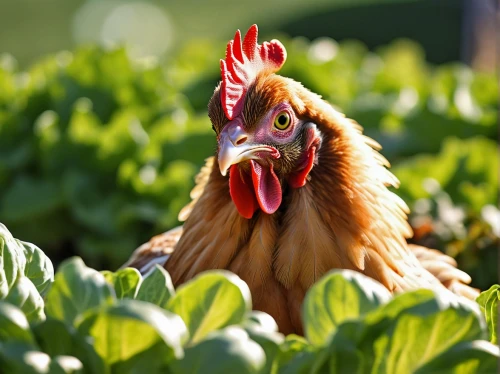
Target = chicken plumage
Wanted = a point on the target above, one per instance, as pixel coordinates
(307, 192)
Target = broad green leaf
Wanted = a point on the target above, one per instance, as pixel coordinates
(476, 356)
(400, 303)
(426, 330)
(125, 334)
(39, 268)
(488, 301)
(76, 289)
(350, 348)
(211, 301)
(126, 282)
(156, 287)
(18, 262)
(25, 295)
(339, 296)
(357, 339)
(13, 325)
(67, 343)
(342, 355)
(226, 351)
(12, 260)
(378, 321)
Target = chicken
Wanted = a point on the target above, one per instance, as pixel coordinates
(295, 189)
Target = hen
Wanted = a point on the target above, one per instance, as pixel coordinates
(293, 191)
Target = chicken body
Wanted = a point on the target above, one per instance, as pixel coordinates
(305, 194)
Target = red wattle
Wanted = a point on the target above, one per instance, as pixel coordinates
(267, 187)
(299, 179)
(242, 193)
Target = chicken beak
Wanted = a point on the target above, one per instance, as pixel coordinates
(235, 146)
(230, 154)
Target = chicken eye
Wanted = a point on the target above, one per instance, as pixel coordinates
(282, 121)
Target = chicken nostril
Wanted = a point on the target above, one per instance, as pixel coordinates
(241, 140)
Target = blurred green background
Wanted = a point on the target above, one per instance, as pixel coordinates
(103, 111)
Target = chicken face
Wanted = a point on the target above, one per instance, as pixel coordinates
(266, 148)
(278, 130)
(262, 140)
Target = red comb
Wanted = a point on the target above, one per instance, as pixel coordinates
(242, 64)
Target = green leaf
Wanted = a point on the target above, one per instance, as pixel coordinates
(67, 343)
(25, 295)
(211, 301)
(403, 302)
(488, 301)
(12, 260)
(343, 354)
(226, 351)
(426, 330)
(339, 296)
(125, 334)
(18, 259)
(377, 322)
(477, 356)
(157, 287)
(39, 268)
(356, 345)
(76, 289)
(13, 325)
(126, 282)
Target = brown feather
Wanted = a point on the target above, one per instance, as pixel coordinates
(253, 263)
(304, 248)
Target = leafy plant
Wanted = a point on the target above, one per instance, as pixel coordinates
(104, 322)
(25, 274)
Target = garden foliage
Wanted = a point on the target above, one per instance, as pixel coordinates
(85, 321)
